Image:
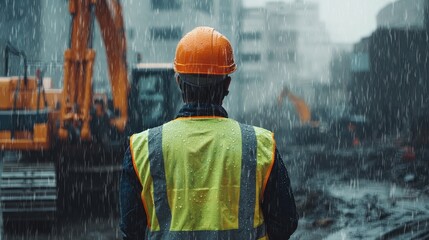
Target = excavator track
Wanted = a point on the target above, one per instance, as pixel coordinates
(28, 191)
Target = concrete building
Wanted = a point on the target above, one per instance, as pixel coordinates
(253, 44)
(403, 14)
(283, 37)
(313, 43)
(282, 44)
(252, 58)
(335, 96)
(154, 27)
(388, 82)
(228, 13)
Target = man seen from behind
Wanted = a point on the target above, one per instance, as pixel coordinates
(204, 175)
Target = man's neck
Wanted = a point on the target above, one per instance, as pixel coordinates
(202, 109)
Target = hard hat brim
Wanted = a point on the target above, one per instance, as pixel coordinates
(204, 69)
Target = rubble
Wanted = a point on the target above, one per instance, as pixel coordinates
(361, 192)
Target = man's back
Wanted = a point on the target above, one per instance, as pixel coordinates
(204, 176)
(215, 170)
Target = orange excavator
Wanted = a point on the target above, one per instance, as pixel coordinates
(79, 61)
(309, 131)
(53, 141)
(300, 105)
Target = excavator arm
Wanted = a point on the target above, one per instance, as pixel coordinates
(79, 62)
(301, 107)
(33, 178)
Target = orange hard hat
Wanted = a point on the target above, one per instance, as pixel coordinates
(204, 51)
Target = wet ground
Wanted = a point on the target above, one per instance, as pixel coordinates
(363, 192)
(85, 216)
(88, 228)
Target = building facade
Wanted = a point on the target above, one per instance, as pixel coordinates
(155, 26)
(403, 14)
(252, 59)
(282, 44)
(388, 69)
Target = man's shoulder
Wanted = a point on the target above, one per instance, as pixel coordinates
(139, 134)
(258, 129)
(144, 133)
(260, 132)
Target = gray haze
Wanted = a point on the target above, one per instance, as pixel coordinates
(346, 20)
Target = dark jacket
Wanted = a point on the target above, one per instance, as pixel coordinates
(278, 205)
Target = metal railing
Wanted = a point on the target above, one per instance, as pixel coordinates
(53, 70)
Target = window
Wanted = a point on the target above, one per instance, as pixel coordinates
(282, 56)
(360, 62)
(250, 36)
(167, 33)
(291, 56)
(270, 56)
(151, 98)
(131, 33)
(204, 5)
(250, 57)
(289, 37)
(151, 84)
(166, 4)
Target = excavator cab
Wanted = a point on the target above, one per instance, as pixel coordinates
(154, 96)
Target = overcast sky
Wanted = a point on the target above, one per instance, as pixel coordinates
(346, 20)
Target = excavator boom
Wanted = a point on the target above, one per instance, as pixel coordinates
(301, 107)
(79, 62)
(38, 171)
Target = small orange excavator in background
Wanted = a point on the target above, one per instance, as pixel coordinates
(57, 143)
(347, 131)
(300, 105)
(309, 130)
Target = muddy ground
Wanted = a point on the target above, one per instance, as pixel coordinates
(374, 191)
(369, 191)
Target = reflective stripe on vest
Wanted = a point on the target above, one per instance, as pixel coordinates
(203, 178)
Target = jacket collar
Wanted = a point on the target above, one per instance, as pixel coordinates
(202, 109)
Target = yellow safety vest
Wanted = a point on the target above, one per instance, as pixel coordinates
(203, 178)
